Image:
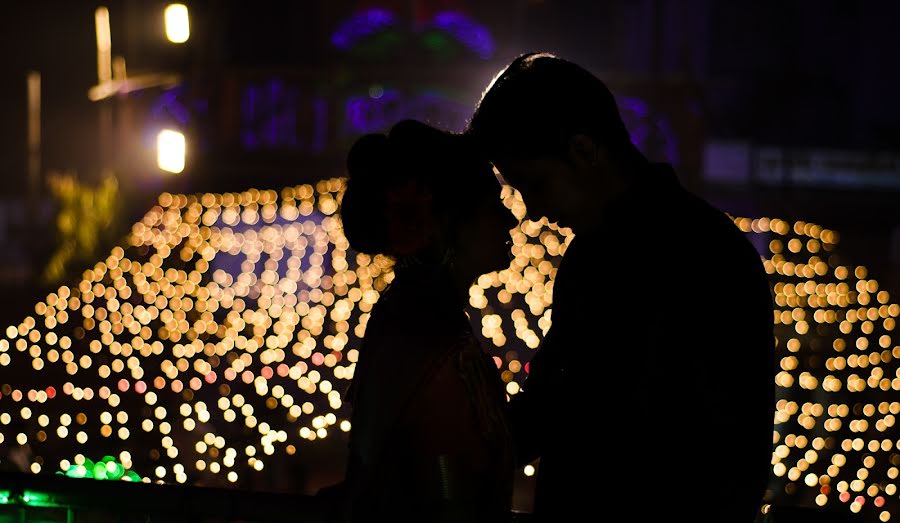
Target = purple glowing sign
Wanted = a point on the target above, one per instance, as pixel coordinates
(646, 128)
(361, 25)
(269, 116)
(476, 37)
(177, 108)
(169, 107)
(367, 113)
(273, 116)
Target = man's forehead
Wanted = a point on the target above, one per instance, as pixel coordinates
(517, 166)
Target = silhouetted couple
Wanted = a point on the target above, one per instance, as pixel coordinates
(650, 399)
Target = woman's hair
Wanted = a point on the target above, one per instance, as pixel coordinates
(440, 163)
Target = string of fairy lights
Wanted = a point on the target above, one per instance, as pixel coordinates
(220, 338)
(838, 376)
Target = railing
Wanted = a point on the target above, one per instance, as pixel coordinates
(59, 499)
(51, 499)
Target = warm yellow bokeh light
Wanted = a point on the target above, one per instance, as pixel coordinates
(177, 22)
(244, 311)
(170, 151)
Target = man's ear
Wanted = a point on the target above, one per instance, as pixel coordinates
(584, 151)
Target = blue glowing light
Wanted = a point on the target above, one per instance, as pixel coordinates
(360, 25)
(463, 28)
(269, 116)
(169, 107)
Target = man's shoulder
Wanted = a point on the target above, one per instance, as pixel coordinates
(582, 252)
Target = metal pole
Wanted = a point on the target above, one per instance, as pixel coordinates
(104, 77)
(34, 139)
(104, 45)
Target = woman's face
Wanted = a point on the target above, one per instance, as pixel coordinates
(484, 239)
(410, 218)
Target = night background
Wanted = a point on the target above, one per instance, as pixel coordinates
(179, 302)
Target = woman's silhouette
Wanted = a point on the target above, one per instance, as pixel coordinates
(429, 439)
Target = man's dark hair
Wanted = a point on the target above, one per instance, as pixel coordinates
(539, 102)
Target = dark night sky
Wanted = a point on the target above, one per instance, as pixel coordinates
(788, 73)
(57, 39)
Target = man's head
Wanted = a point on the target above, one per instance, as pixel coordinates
(554, 131)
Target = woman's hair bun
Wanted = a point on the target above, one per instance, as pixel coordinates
(369, 157)
(444, 163)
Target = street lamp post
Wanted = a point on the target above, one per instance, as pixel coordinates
(34, 140)
(33, 161)
(112, 78)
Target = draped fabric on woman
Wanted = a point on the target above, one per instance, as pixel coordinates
(429, 425)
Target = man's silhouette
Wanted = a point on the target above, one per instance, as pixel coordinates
(653, 391)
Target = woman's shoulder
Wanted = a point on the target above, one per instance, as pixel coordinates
(418, 300)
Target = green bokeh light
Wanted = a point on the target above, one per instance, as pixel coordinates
(105, 469)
